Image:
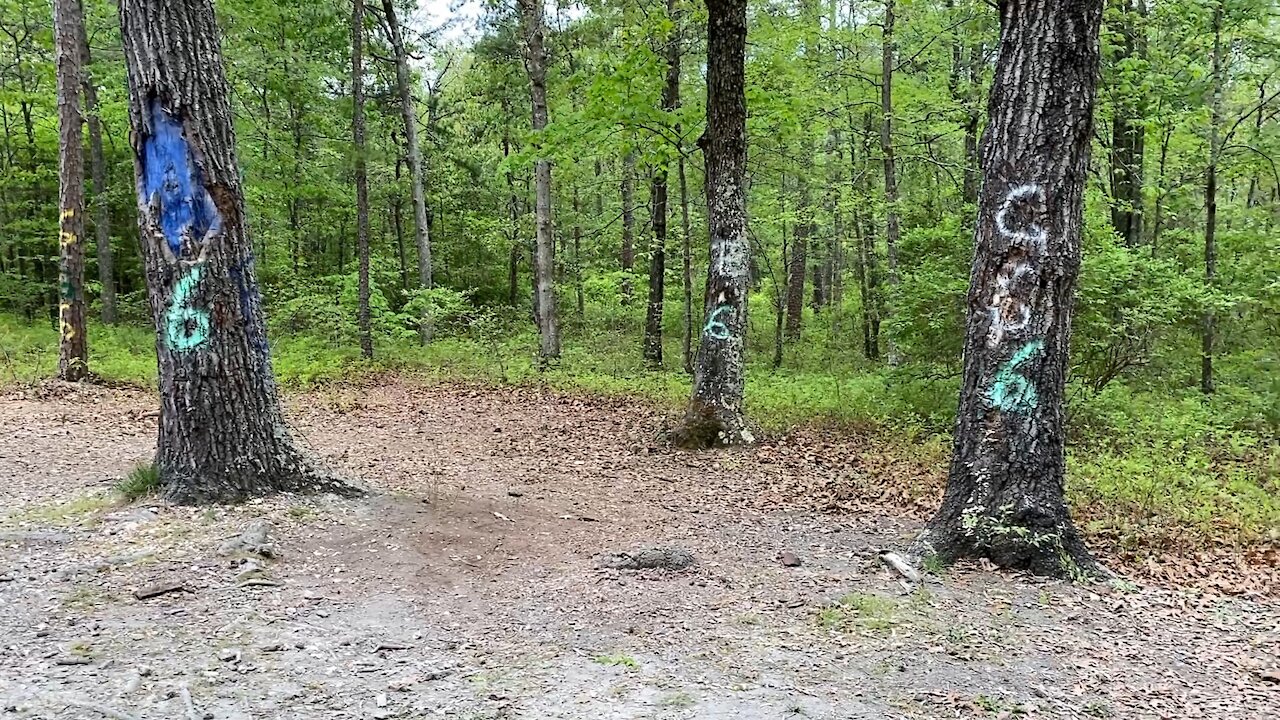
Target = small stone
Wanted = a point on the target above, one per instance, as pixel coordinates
(380, 700)
(515, 493)
(789, 559)
(228, 655)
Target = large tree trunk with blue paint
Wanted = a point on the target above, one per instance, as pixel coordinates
(1004, 498)
(222, 435)
(715, 416)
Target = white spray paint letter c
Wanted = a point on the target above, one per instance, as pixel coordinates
(1034, 233)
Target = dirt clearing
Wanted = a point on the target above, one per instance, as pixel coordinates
(470, 586)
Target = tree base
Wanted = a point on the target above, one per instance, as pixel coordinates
(182, 487)
(1054, 551)
(707, 429)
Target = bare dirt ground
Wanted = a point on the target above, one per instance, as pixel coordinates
(469, 585)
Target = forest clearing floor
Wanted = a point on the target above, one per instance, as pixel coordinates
(469, 586)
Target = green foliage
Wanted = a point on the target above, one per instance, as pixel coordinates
(141, 482)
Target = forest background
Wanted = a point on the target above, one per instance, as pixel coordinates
(863, 126)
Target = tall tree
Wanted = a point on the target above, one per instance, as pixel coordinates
(686, 252)
(98, 171)
(361, 173)
(888, 60)
(715, 414)
(1004, 498)
(658, 196)
(222, 435)
(535, 62)
(1128, 129)
(797, 265)
(1209, 321)
(73, 350)
(412, 153)
(627, 253)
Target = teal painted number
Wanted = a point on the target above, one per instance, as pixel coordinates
(715, 327)
(1012, 392)
(186, 328)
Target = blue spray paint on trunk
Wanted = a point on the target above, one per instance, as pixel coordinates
(172, 179)
(1012, 392)
(715, 327)
(186, 328)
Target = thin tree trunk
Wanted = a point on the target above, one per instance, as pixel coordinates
(98, 171)
(627, 255)
(686, 253)
(1004, 497)
(362, 174)
(222, 435)
(1209, 322)
(577, 255)
(658, 249)
(891, 232)
(798, 262)
(868, 256)
(536, 67)
(1128, 141)
(73, 351)
(397, 222)
(715, 414)
(408, 114)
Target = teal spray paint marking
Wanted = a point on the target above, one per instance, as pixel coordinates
(1012, 392)
(715, 327)
(186, 328)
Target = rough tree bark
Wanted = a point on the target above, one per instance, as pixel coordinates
(1004, 496)
(535, 58)
(361, 173)
(891, 230)
(658, 194)
(222, 436)
(73, 350)
(98, 171)
(715, 413)
(413, 154)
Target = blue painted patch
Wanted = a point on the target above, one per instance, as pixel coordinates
(715, 327)
(1012, 392)
(170, 174)
(186, 328)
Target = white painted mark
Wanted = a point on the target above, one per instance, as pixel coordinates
(1034, 234)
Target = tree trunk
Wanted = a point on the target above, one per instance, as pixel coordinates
(544, 285)
(362, 173)
(1128, 141)
(73, 351)
(98, 170)
(222, 435)
(715, 413)
(686, 253)
(891, 231)
(798, 261)
(627, 254)
(1004, 497)
(658, 249)
(868, 258)
(577, 256)
(1209, 322)
(413, 154)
